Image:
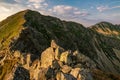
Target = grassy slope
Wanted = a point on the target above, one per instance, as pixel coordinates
(10, 29)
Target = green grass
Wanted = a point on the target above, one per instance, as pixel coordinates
(11, 27)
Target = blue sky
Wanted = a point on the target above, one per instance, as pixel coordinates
(86, 12)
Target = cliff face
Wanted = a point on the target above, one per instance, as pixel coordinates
(25, 35)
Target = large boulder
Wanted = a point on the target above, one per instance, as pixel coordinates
(51, 54)
(66, 57)
(75, 72)
(47, 57)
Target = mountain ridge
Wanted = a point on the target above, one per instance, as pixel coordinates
(30, 32)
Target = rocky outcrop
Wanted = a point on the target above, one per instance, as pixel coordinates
(25, 42)
(64, 66)
(32, 32)
(51, 54)
(55, 64)
(66, 57)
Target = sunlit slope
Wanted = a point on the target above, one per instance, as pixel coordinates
(11, 27)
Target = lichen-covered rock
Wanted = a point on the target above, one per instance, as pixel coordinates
(47, 57)
(35, 70)
(66, 57)
(75, 72)
(50, 55)
(66, 69)
(17, 54)
(28, 61)
(41, 74)
(58, 52)
(53, 44)
(60, 76)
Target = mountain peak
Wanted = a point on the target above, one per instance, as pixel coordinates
(28, 10)
(32, 12)
(104, 22)
(106, 28)
(27, 25)
(31, 33)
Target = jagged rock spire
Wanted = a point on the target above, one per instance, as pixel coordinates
(53, 44)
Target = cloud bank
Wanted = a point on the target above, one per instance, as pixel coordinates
(86, 16)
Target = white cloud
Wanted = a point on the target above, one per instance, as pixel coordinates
(33, 4)
(36, 1)
(9, 9)
(105, 8)
(45, 4)
(77, 12)
(114, 7)
(64, 12)
(62, 9)
(81, 13)
(67, 11)
(37, 4)
(2, 8)
(102, 8)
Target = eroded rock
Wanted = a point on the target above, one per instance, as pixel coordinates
(66, 69)
(66, 57)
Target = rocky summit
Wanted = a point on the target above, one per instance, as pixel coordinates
(38, 47)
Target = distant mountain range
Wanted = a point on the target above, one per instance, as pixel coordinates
(25, 40)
